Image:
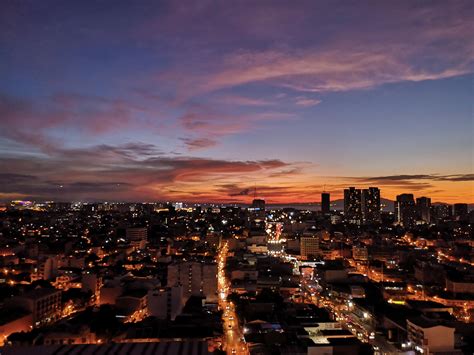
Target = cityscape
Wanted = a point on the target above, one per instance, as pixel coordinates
(188, 278)
(270, 177)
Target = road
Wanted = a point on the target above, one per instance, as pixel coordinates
(234, 341)
(362, 327)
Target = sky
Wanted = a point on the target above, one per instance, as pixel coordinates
(206, 101)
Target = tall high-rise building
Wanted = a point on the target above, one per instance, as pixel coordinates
(352, 205)
(371, 205)
(325, 202)
(197, 279)
(423, 206)
(405, 210)
(461, 211)
(137, 237)
(258, 205)
(166, 302)
(441, 212)
(257, 214)
(309, 246)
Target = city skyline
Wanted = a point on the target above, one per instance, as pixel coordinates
(201, 102)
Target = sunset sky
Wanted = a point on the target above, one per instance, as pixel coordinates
(204, 100)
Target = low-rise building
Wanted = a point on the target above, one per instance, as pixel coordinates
(43, 303)
(430, 337)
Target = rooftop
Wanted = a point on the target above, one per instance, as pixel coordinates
(190, 347)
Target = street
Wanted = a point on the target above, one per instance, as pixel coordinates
(234, 341)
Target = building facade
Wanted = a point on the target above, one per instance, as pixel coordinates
(196, 278)
(371, 205)
(309, 247)
(405, 210)
(137, 237)
(325, 202)
(423, 206)
(352, 205)
(166, 302)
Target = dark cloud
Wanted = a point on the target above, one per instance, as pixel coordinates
(433, 177)
(245, 192)
(397, 178)
(458, 177)
(126, 171)
(12, 178)
(90, 186)
(413, 182)
(291, 192)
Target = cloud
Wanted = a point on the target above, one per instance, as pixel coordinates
(244, 192)
(306, 102)
(278, 192)
(121, 172)
(198, 143)
(130, 150)
(319, 71)
(434, 177)
(212, 123)
(411, 182)
(457, 177)
(12, 178)
(32, 121)
(375, 45)
(208, 124)
(238, 100)
(197, 49)
(288, 173)
(90, 186)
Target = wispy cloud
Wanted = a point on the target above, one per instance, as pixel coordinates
(209, 125)
(238, 100)
(433, 177)
(199, 143)
(386, 43)
(306, 101)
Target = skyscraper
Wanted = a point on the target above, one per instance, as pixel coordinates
(441, 212)
(309, 246)
(137, 237)
(325, 202)
(405, 210)
(258, 204)
(460, 211)
(257, 213)
(197, 279)
(352, 205)
(371, 205)
(423, 206)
